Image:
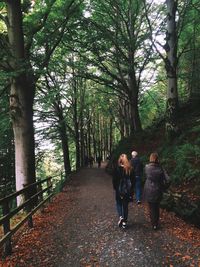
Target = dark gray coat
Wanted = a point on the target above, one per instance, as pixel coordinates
(154, 184)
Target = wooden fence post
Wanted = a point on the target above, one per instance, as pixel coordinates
(6, 229)
(49, 185)
(61, 182)
(40, 190)
(40, 197)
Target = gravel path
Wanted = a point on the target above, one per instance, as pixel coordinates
(83, 231)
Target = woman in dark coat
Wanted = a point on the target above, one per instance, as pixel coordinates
(155, 184)
(123, 174)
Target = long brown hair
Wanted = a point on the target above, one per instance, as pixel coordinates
(124, 162)
(154, 157)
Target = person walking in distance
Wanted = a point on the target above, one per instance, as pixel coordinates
(99, 159)
(123, 184)
(138, 170)
(157, 180)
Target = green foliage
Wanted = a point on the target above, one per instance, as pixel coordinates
(152, 105)
(50, 164)
(123, 147)
(182, 158)
(186, 156)
(196, 129)
(188, 48)
(7, 178)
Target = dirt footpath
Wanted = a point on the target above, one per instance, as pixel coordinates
(79, 228)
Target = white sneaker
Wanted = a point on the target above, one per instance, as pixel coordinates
(120, 221)
(124, 225)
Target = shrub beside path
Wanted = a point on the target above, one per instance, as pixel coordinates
(79, 228)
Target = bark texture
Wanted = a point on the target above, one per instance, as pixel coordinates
(21, 99)
(171, 69)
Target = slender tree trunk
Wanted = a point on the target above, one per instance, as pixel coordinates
(65, 148)
(82, 150)
(127, 120)
(101, 144)
(86, 147)
(63, 136)
(106, 138)
(83, 141)
(135, 117)
(133, 98)
(76, 126)
(94, 138)
(77, 143)
(89, 138)
(98, 134)
(21, 100)
(121, 119)
(171, 69)
(111, 136)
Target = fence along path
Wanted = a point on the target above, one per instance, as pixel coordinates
(31, 203)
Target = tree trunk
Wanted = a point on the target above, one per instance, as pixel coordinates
(127, 119)
(22, 119)
(111, 137)
(132, 82)
(65, 148)
(89, 138)
(121, 119)
(171, 69)
(106, 138)
(63, 136)
(76, 125)
(77, 143)
(135, 117)
(21, 100)
(82, 141)
(134, 112)
(93, 137)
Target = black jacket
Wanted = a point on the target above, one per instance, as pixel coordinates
(137, 166)
(118, 174)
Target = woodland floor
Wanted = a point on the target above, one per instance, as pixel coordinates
(79, 228)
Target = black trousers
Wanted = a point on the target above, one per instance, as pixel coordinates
(154, 212)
